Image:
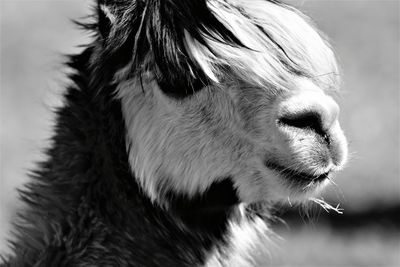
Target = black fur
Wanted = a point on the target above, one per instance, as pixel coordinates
(84, 207)
(158, 26)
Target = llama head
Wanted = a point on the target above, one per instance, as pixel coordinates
(222, 89)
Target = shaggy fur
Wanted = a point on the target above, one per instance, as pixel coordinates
(85, 207)
(184, 121)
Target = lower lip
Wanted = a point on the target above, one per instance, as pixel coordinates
(295, 175)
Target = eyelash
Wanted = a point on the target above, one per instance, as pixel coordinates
(181, 89)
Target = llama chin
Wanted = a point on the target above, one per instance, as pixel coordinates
(184, 122)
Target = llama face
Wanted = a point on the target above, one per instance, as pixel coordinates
(260, 115)
(234, 131)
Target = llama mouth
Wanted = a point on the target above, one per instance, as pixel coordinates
(301, 177)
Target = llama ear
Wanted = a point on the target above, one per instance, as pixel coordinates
(106, 18)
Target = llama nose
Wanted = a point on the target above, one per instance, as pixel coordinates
(310, 111)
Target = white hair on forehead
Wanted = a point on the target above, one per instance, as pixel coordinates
(280, 40)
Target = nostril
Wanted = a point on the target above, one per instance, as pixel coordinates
(305, 120)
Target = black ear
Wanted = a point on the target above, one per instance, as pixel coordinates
(106, 18)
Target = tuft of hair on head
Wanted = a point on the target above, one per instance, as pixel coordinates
(150, 35)
(279, 42)
(190, 44)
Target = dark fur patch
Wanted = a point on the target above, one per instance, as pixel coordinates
(151, 33)
(85, 207)
(209, 211)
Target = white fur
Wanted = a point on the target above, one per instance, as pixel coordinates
(171, 146)
(250, 243)
(261, 64)
(229, 129)
(108, 13)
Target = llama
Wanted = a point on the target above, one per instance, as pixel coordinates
(185, 121)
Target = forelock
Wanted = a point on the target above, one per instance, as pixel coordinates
(189, 44)
(279, 43)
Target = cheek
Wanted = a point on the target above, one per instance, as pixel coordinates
(187, 145)
(256, 111)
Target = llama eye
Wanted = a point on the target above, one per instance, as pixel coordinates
(181, 88)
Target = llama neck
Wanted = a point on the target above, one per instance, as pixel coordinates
(86, 191)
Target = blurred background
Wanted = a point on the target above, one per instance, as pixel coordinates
(34, 36)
